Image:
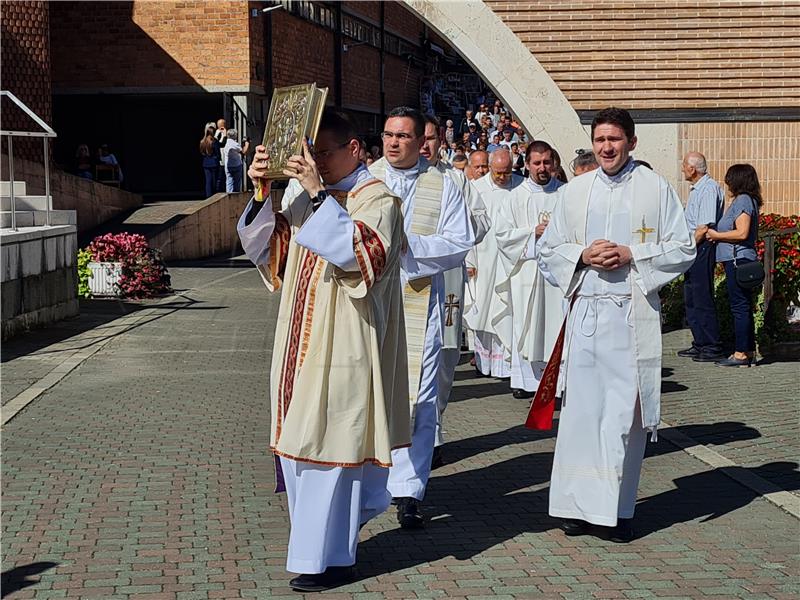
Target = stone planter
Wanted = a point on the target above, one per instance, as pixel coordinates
(104, 277)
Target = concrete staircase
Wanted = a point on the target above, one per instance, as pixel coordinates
(31, 210)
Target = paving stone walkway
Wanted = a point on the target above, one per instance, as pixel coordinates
(140, 471)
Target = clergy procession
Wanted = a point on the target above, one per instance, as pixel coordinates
(388, 270)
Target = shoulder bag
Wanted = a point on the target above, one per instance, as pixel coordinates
(749, 275)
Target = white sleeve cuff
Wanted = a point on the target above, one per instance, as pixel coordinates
(329, 234)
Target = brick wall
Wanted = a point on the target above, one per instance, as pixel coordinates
(25, 58)
(301, 52)
(146, 44)
(772, 148)
(669, 54)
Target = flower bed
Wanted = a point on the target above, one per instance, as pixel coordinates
(771, 328)
(142, 273)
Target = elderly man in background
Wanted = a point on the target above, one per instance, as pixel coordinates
(703, 210)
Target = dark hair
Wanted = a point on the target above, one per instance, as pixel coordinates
(615, 116)
(584, 158)
(539, 146)
(410, 113)
(743, 179)
(430, 119)
(339, 125)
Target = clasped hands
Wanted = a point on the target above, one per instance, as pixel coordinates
(606, 255)
(299, 166)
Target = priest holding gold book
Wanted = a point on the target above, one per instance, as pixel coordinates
(338, 382)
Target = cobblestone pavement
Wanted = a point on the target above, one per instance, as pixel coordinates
(142, 473)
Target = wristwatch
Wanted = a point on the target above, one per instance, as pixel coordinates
(317, 200)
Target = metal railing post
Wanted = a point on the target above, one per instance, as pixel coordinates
(46, 182)
(11, 177)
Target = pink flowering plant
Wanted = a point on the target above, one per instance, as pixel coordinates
(144, 274)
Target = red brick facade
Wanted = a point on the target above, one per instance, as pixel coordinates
(151, 44)
(25, 70)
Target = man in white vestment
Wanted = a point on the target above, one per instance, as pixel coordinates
(535, 306)
(439, 233)
(492, 358)
(617, 235)
(338, 405)
(454, 279)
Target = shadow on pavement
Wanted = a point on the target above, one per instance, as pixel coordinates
(16, 579)
(710, 494)
(469, 513)
(94, 314)
(472, 511)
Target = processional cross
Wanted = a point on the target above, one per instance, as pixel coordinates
(452, 303)
(644, 230)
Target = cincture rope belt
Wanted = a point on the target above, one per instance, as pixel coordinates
(588, 321)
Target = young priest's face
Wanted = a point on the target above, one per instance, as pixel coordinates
(612, 147)
(401, 144)
(430, 149)
(335, 159)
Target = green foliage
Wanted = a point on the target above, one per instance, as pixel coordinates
(84, 273)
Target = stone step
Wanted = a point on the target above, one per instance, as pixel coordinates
(25, 202)
(37, 218)
(19, 188)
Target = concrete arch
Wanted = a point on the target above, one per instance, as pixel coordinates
(509, 68)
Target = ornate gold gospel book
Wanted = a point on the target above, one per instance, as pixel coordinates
(294, 113)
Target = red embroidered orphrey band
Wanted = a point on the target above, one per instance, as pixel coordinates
(543, 406)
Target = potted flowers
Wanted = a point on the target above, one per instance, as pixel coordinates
(123, 264)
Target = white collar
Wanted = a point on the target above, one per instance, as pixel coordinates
(620, 176)
(550, 186)
(410, 173)
(347, 183)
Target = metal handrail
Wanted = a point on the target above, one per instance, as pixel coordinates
(45, 135)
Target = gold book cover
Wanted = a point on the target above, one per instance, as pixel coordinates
(294, 113)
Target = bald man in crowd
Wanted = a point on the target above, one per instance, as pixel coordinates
(478, 164)
(703, 210)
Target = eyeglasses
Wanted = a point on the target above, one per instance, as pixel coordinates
(324, 154)
(400, 137)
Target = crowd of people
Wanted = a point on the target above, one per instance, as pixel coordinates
(223, 158)
(383, 256)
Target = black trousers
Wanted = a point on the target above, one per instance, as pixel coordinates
(698, 295)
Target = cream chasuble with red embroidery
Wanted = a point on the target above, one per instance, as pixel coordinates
(338, 383)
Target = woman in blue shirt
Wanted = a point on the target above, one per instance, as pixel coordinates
(210, 151)
(736, 236)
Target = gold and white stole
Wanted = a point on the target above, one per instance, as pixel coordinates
(416, 294)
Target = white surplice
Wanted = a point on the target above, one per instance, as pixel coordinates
(611, 367)
(455, 281)
(534, 306)
(491, 356)
(427, 256)
(327, 504)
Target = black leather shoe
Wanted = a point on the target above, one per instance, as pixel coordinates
(623, 532)
(689, 352)
(408, 513)
(438, 458)
(319, 582)
(708, 356)
(731, 361)
(572, 527)
(522, 394)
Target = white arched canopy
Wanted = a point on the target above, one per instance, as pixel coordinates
(508, 67)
